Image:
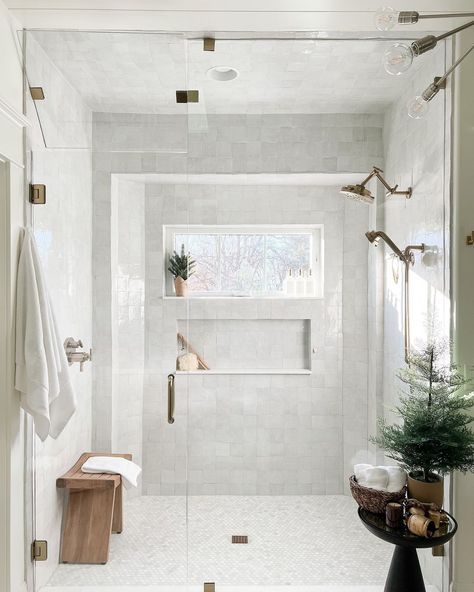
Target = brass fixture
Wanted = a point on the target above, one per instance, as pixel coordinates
(37, 93)
(209, 587)
(361, 193)
(39, 550)
(240, 539)
(187, 96)
(37, 194)
(407, 256)
(171, 379)
(209, 44)
(73, 356)
(470, 239)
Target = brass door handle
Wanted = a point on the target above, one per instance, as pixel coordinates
(170, 398)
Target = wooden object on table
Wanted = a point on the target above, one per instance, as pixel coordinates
(421, 526)
(393, 514)
(186, 344)
(93, 511)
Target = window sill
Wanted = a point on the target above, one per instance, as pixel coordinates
(300, 371)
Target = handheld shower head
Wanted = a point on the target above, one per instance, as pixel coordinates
(374, 236)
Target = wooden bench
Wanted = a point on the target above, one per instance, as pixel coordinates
(93, 511)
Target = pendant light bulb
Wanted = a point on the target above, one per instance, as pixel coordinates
(398, 59)
(386, 18)
(417, 107)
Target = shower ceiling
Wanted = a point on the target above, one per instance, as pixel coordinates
(139, 73)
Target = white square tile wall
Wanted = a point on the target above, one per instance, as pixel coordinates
(297, 446)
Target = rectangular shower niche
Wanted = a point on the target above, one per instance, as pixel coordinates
(253, 346)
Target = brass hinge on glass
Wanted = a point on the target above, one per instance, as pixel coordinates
(39, 550)
(187, 96)
(209, 587)
(37, 194)
(209, 44)
(37, 93)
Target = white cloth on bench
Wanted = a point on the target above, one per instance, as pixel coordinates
(113, 465)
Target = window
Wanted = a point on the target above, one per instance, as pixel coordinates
(249, 260)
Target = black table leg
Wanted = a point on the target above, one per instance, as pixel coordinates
(405, 573)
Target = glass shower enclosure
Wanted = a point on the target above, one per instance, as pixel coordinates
(247, 400)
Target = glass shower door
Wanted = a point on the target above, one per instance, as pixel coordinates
(110, 130)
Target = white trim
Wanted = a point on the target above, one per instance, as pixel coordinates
(319, 179)
(4, 387)
(13, 115)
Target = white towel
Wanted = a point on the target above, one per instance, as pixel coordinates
(113, 465)
(387, 478)
(42, 373)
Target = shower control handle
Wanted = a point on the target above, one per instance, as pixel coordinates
(171, 378)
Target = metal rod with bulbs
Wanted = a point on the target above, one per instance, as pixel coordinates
(417, 107)
(400, 56)
(410, 17)
(386, 18)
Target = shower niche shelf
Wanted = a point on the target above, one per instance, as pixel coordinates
(246, 346)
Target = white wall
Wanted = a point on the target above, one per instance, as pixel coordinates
(63, 231)
(417, 155)
(258, 434)
(462, 306)
(337, 391)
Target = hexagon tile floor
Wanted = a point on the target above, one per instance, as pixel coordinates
(298, 542)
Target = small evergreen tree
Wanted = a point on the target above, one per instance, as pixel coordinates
(435, 437)
(181, 265)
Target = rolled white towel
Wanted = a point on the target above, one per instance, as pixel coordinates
(359, 471)
(397, 478)
(374, 477)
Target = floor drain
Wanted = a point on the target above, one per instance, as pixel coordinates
(241, 539)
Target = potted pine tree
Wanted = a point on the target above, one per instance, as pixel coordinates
(434, 437)
(181, 266)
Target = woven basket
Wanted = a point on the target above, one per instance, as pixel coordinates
(374, 500)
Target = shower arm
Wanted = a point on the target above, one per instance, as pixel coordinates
(390, 190)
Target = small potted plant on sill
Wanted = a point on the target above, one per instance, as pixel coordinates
(434, 437)
(181, 267)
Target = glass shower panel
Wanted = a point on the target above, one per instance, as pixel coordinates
(109, 133)
(120, 91)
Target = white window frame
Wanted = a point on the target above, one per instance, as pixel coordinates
(316, 230)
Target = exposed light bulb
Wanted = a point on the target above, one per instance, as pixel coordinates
(398, 59)
(417, 107)
(386, 18)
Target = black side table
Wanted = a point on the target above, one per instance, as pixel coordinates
(405, 573)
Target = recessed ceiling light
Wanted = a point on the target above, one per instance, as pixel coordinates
(222, 73)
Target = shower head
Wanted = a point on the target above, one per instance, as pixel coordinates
(374, 236)
(357, 192)
(361, 193)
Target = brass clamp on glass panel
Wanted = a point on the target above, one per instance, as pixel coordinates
(171, 378)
